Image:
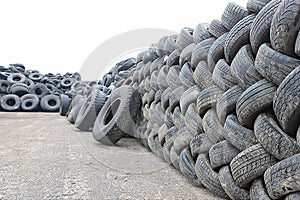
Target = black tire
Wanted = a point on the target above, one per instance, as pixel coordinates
(40, 90)
(297, 45)
(173, 77)
(50, 103)
(162, 132)
(90, 109)
(29, 102)
(200, 144)
(201, 33)
(232, 14)
(287, 103)
(273, 65)
(254, 6)
(202, 76)
(208, 177)
(162, 78)
(200, 51)
(229, 186)
(184, 38)
(173, 58)
(260, 30)
(4, 84)
(153, 80)
(118, 116)
(185, 76)
(226, 104)
(242, 68)
(186, 54)
(157, 97)
(175, 97)
(35, 76)
(250, 164)
(170, 44)
(208, 98)
(19, 89)
(285, 27)
(212, 127)
(16, 78)
(168, 118)
(10, 102)
(273, 139)
(182, 141)
(258, 190)
(222, 153)
(178, 118)
(216, 52)
(189, 97)
(238, 135)
(193, 121)
(216, 28)
(165, 96)
(292, 196)
(283, 177)
(254, 100)
(65, 102)
(222, 76)
(238, 36)
(187, 167)
(174, 157)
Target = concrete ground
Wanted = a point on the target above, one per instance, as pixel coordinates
(42, 156)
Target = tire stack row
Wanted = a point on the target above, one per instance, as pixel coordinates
(220, 102)
(88, 98)
(29, 90)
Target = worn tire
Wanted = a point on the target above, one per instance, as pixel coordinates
(29, 102)
(10, 102)
(232, 14)
(50, 103)
(258, 190)
(222, 76)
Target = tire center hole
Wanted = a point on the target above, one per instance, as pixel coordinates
(111, 111)
(52, 102)
(11, 102)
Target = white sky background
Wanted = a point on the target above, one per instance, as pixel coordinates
(58, 35)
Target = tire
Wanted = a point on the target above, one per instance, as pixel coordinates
(175, 97)
(250, 164)
(201, 33)
(238, 36)
(200, 51)
(161, 47)
(19, 89)
(258, 190)
(173, 58)
(200, 144)
(208, 98)
(185, 76)
(182, 141)
(222, 76)
(65, 102)
(168, 118)
(4, 84)
(216, 52)
(189, 97)
(202, 76)
(162, 78)
(186, 54)
(231, 189)
(29, 102)
(187, 167)
(287, 103)
(76, 105)
(157, 97)
(170, 44)
(153, 80)
(273, 65)
(232, 14)
(35, 76)
(40, 90)
(285, 27)
(193, 122)
(260, 30)
(212, 127)
(50, 103)
(208, 177)
(16, 78)
(297, 45)
(118, 116)
(226, 104)
(283, 177)
(292, 196)
(178, 118)
(174, 157)
(254, 6)
(184, 38)
(162, 132)
(273, 139)
(242, 68)
(90, 109)
(238, 135)
(165, 96)
(253, 101)
(221, 154)
(216, 28)
(10, 102)
(173, 77)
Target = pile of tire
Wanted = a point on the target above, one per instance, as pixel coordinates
(220, 102)
(29, 90)
(88, 98)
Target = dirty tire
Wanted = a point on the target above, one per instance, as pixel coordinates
(283, 177)
(29, 102)
(50, 103)
(200, 144)
(65, 102)
(212, 127)
(10, 102)
(200, 51)
(40, 90)
(250, 164)
(193, 122)
(184, 38)
(118, 116)
(202, 76)
(186, 74)
(258, 190)
(254, 100)
(201, 33)
(216, 28)
(254, 6)
(189, 97)
(287, 103)
(232, 14)
(222, 76)
(273, 139)
(216, 52)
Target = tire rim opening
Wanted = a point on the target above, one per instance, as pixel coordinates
(109, 113)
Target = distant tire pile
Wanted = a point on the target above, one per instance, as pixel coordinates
(28, 90)
(220, 102)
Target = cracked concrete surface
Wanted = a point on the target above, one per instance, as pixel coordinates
(42, 156)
